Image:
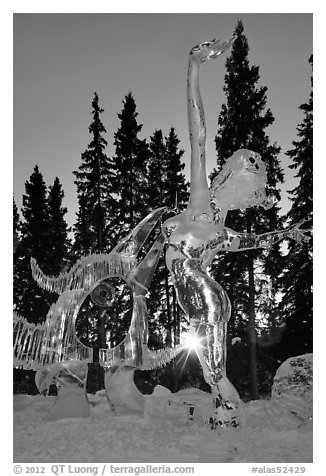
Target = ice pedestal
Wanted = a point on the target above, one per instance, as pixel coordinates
(122, 393)
(71, 400)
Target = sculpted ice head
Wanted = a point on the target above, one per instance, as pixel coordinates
(240, 183)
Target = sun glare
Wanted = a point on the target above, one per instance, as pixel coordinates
(191, 340)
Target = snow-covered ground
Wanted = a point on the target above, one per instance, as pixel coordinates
(164, 433)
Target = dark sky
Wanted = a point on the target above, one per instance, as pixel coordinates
(61, 59)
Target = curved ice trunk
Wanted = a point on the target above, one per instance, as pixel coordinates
(94, 268)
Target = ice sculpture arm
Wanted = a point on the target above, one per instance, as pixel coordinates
(199, 191)
(246, 241)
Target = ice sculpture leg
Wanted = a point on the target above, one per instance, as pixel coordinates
(71, 400)
(122, 393)
(209, 309)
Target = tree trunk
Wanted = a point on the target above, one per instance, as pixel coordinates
(254, 393)
(101, 345)
(131, 210)
(231, 323)
(168, 308)
(176, 338)
(252, 332)
(176, 319)
(99, 224)
(102, 333)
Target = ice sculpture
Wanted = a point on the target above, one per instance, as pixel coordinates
(53, 348)
(295, 377)
(198, 234)
(192, 238)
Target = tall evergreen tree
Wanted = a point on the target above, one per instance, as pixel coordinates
(58, 229)
(159, 309)
(241, 124)
(166, 187)
(94, 181)
(176, 197)
(93, 231)
(296, 305)
(131, 156)
(30, 301)
(130, 188)
(176, 191)
(16, 226)
(156, 170)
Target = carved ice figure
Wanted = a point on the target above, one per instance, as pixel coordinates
(53, 348)
(293, 386)
(198, 234)
(193, 239)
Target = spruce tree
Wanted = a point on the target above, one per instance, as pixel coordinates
(94, 231)
(176, 188)
(16, 227)
(30, 301)
(94, 181)
(166, 187)
(130, 159)
(176, 197)
(58, 229)
(156, 170)
(158, 303)
(296, 304)
(131, 156)
(241, 124)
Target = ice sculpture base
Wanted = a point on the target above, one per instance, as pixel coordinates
(71, 400)
(122, 393)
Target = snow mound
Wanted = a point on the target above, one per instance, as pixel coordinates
(160, 391)
(107, 436)
(167, 427)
